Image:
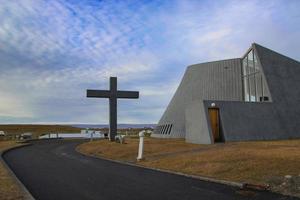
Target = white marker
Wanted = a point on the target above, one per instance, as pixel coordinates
(141, 146)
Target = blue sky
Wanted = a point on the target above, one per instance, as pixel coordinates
(52, 51)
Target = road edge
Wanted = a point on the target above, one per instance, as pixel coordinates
(202, 178)
(27, 195)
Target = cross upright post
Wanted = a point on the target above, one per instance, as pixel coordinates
(112, 94)
(113, 108)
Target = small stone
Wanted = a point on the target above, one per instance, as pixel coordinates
(288, 176)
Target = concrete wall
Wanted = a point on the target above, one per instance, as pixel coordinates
(220, 80)
(197, 132)
(248, 121)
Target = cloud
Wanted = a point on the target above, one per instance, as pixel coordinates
(218, 30)
(52, 51)
(10, 106)
(55, 50)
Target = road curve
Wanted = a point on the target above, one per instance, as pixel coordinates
(54, 170)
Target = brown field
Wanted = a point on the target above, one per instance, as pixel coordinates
(8, 187)
(263, 162)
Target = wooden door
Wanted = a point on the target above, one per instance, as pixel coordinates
(215, 123)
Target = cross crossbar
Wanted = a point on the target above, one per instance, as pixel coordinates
(98, 93)
(127, 94)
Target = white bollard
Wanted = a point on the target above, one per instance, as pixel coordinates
(141, 146)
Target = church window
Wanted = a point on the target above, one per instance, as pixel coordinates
(255, 88)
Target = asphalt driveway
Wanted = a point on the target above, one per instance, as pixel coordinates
(54, 170)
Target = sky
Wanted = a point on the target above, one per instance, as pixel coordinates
(52, 51)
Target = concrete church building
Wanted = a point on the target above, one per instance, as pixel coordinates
(256, 97)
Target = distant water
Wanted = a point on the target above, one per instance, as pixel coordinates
(121, 126)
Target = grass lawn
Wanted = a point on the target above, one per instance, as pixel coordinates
(262, 162)
(8, 187)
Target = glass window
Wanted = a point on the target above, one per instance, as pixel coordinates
(245, 66)
(252, 88)
(258, 80)
(170, 129)
(164, 129)
(255, 88)
(167, 129)
(256, 67)
(246, 89)
(250, 62)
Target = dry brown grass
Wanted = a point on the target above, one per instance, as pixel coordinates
(7, 144)
(8, 188)
(252, 162)
(128, 151)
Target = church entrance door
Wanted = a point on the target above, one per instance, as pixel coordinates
(215, 123)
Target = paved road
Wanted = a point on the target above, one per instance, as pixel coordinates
(54, 170)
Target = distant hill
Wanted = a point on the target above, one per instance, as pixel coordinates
(120, 126)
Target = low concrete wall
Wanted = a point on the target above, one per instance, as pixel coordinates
(253, 121)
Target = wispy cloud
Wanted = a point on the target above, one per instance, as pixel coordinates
(52, 51)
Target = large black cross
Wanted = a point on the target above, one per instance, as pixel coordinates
(112, 94)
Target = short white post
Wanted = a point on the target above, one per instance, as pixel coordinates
(141, 146)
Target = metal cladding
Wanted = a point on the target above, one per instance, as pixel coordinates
(220, 84)
(200, 82)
